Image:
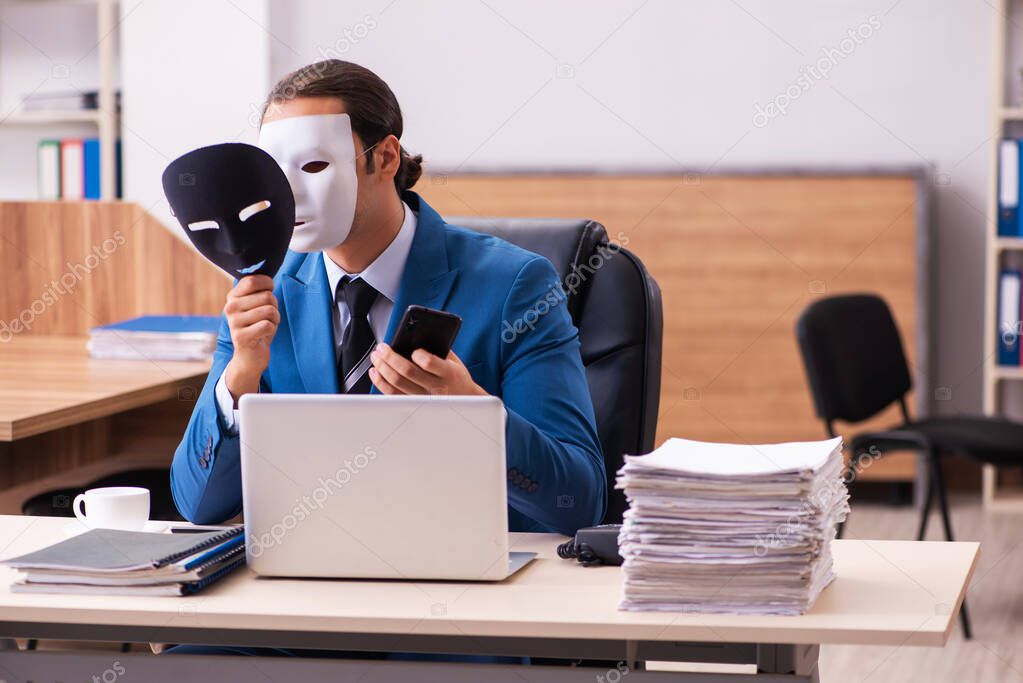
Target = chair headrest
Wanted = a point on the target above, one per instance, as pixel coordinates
(568, 243)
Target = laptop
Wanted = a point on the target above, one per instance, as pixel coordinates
(376, 487)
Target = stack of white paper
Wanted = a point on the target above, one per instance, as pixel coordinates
(726, 528)
(156, 337)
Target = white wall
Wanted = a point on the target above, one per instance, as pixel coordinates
(677, 82)
(539, 84)
(670, 83)
(192, 70)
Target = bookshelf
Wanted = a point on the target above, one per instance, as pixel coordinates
(105, 116)
(1001, 382)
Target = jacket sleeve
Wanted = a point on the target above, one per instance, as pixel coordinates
(206, 473)
(555, 465)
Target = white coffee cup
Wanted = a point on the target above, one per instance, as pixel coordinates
(113, 507)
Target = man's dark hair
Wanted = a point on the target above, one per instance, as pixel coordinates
(369, 103)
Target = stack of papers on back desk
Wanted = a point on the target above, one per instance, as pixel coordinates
(724, 528)
(156, 337)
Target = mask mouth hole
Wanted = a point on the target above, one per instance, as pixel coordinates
(252, 269)
(252, 209)
(203, 225)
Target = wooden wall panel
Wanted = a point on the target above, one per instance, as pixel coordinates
(183, 280)
(737, 259)
(69, 266)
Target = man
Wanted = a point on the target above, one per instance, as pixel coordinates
(364, 249)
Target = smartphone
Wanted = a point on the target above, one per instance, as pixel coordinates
(428, 329)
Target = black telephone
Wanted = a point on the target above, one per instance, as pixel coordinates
(594, 546)
(426, 328)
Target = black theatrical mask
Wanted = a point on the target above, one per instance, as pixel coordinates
(235, 204)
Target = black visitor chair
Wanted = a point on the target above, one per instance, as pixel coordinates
(856, 367)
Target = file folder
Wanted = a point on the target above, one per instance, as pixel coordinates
(72, 169)
(48, 169)
(90, 151)
(1008, 188)
(1009, 317)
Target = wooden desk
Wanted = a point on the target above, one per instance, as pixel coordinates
(67, 419)
(47, 383)
(887, 593)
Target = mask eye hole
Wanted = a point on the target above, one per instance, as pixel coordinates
(203, 225)
(314, 166)
(252, 209)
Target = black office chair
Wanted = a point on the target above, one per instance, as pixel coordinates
(856, 368)
(617, 307)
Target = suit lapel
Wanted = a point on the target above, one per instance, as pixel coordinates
(427, 280)
(308, 303)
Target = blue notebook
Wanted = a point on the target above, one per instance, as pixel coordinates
(196, 586)
(166, 324)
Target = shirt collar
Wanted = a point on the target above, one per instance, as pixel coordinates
(385, 272)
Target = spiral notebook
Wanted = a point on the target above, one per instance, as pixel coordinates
(111, 550)
(108, 562)
(184, 588)
(192, 570)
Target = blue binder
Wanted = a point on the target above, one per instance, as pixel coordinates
(1009, 317)
(90, 152)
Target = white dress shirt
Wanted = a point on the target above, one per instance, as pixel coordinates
(383, 274)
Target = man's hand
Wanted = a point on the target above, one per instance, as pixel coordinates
(425, 374)
(252, 317)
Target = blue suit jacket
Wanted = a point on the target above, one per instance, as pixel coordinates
(517, 340)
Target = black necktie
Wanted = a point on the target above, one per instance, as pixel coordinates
(358, 339)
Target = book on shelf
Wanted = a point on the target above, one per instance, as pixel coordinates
(1008, 188)
(48, 169)
(71, 168)
(91, 169)
(156, 337)
(1009, 303)
(70, 100)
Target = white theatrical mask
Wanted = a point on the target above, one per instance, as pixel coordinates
(317, 154)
